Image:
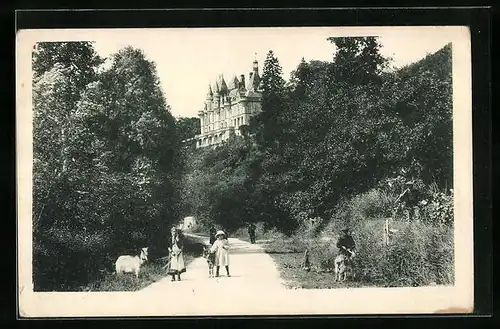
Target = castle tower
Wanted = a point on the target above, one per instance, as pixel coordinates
(228, 107)
(255, 66)
(235, 83)
(216, 97)
(210, 98)
(242, 82)
(223, 87)
(254, 78)
(210, 94)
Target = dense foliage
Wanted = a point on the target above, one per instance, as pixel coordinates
(350, 142)
(335, 130)
(106, 162)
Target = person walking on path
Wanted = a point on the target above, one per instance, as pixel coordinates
(346, 244)
(175, 249)
(220, 248)
(251, 232)
(212, 233)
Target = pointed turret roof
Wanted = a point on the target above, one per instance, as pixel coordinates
(234, 84)
(216, 88)
(254, 81)
(223, 86)
(209, 93)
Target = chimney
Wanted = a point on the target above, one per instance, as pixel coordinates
(242, 80)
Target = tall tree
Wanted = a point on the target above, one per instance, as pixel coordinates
(134, 122)
(106, 169)
(78, 59)
(420, 97)
(61, 72)
(273, 99)
(357, 60)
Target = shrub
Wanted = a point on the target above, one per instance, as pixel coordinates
(419, 254)
(440, 254)
(322, 254)
(372, 204)
(370, 260)
(406, 258)
(281, 243)
(438, 207)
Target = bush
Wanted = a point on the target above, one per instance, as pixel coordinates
(281, 243)
(406, 258)
(372, 204)
(322, 254)
(438, 207)
(419, 254)
(370, 260)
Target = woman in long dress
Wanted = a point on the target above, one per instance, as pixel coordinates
(176, 257)
(220, 248)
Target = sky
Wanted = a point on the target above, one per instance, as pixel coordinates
(188, 60)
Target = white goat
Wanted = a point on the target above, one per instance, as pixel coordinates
(131, 264)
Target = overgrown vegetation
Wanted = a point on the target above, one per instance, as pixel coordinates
(349, 142)
(107, 162)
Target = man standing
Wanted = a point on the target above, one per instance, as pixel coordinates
(346, 244)
(251, 232)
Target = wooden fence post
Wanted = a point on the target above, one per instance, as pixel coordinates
(386, 232)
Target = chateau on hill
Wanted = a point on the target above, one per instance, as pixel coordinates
(228, 107)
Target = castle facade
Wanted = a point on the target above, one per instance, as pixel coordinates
(228, 107)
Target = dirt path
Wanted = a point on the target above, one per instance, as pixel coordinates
(255, 288)
(254, 280)
(251, 269)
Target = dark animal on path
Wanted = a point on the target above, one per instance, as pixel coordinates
(210, 257)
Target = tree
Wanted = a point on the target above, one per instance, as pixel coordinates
(329, 125)
(77, 58)
(421, 102)
(129, 113)
(106, 169)
(79, 55)
(273, 100)
(334, 131)
(57, 88)
(188, 127)
(357, 60)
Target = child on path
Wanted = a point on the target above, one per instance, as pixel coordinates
(220, 248)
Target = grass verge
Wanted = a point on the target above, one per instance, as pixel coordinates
(289, 266)
(151, 272)
(420, 254)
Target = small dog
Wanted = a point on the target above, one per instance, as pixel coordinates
(340, 268)
(210, 257)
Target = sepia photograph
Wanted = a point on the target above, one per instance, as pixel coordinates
(244, 171)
